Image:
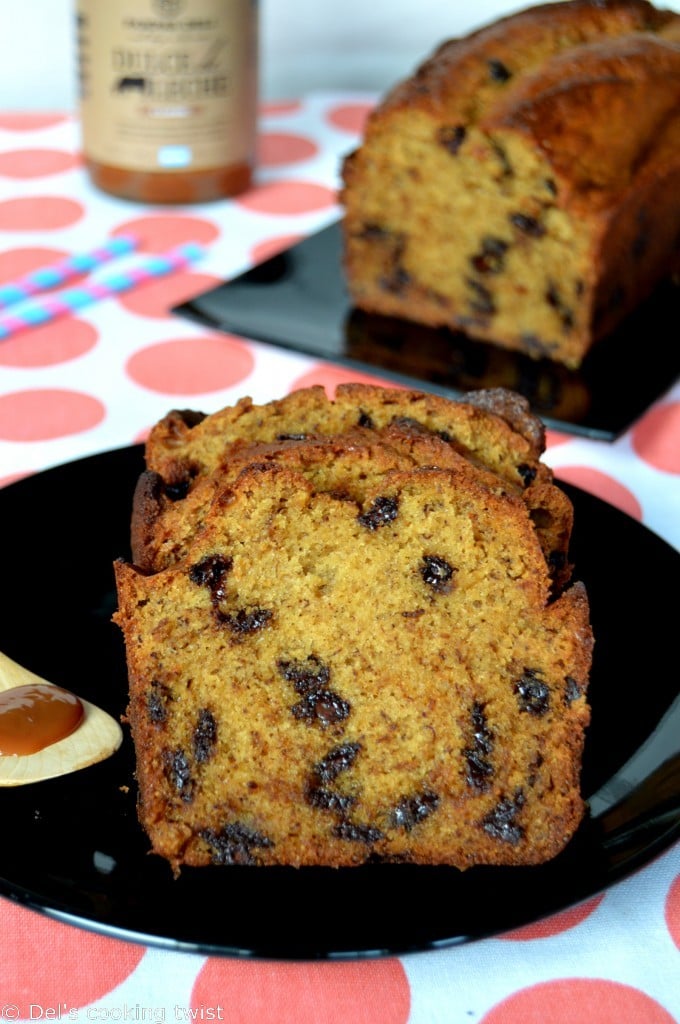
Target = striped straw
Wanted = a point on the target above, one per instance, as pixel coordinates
(43, 310)
(65, 270)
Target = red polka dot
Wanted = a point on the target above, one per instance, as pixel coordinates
(36, 163)
(280, 107)
(22, 122)
(156, 298)
(350, 117)
(142, 435)
(672, 911)
(158, 233)
(288, 197)
(270, 246)
(191, 366)
(41, 415)
(39, 213)
(276, 148)
(578, 999)
(49, 344)
(330, 376)
(602, 486)
(12, 478)
(555, 924)
(656, 438)
(14, 263)
(73, 966)
(555, 437)
(375, 992)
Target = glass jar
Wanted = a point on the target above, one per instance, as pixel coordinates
(168, 97)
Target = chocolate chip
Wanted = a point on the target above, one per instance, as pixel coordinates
(555, 299)
(498, 71)
(527, 225)
(324, 707)
(437, 573)
(500, 822)
(503, 159)
(411, 810)
(291, 437)
(396, 281)
(242, 623)
(383, 510)
(374, 232)
(157, 700)
(179, 477)
(479, 767)
(210, 573)
(205, 736)
(177, 491)
(452, 137)
(527, 472)
(365, 420)
(482, 734)
(533, 694)
(328, 800)
(306, 676)
(178, 773)
(339, 759)
(572, 690)
(234, 844)
(367, 834)
(491, 257)
(481, 300)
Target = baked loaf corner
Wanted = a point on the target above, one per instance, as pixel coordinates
(356, 651)
(522, 185)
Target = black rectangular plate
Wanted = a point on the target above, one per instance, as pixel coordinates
(297, 300)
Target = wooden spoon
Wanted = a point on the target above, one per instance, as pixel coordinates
(95, 738)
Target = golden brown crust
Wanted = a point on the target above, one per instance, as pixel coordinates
(494, 429)
(455, 81)
(522, 185)
(605, 114)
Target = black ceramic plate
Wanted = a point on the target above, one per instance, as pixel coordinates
(73, 849)
(297, 300)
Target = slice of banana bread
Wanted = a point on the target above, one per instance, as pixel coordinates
(326, 678)
(491, 429)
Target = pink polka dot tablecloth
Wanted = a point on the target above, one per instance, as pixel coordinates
(96, 381)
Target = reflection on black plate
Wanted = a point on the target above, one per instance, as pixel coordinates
(72, 846)
(297, 300)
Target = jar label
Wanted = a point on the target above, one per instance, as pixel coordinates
(168, 85)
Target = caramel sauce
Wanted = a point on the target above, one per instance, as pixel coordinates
(171, 187)
(35, 716)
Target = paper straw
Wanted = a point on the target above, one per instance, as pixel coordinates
(65, 270)
(71, 300)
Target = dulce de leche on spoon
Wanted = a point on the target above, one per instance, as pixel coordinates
(46, 731)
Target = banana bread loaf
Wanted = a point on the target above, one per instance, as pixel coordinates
(325, 678)
(522, 186)
(491, 429)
